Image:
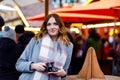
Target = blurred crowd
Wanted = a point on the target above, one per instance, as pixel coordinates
(12, 44)
(105, 50)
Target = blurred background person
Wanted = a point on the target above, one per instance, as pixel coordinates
(8, 55)
(116, 58)
(106, 46)
(78, 55)
(1, 25)
(94, 40)
(24, 40)
(19, 29)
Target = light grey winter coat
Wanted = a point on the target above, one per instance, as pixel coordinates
(31, 54)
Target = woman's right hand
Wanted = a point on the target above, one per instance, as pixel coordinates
(40, 67)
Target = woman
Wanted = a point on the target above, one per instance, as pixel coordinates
(50, 45)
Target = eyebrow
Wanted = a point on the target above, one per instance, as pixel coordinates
(53, 23)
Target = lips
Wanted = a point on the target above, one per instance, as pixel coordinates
(53, 30)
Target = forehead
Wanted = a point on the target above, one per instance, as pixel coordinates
(51, 19)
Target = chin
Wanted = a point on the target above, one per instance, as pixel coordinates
(53, 35)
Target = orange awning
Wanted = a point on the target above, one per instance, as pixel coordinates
(73, 17)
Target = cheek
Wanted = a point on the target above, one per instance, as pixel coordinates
(48, 28)
(58, 30)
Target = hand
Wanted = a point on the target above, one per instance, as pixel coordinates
(60, 73)
(38, 66)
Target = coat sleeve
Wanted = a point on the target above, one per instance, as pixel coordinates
(68, 60)
(23, 63)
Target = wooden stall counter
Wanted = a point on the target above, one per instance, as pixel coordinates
(91, 69)
(107, 77)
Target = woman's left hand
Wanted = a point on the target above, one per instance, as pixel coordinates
(60, 73)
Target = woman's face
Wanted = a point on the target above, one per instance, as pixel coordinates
(52, 27)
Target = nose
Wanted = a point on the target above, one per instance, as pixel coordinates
(52, 25)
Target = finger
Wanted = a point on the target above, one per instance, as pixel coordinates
(52, 72)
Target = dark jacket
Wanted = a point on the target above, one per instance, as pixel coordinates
(8, 58)
(23, 40)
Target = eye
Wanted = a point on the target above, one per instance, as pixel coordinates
(48, 24)
(55, 23)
